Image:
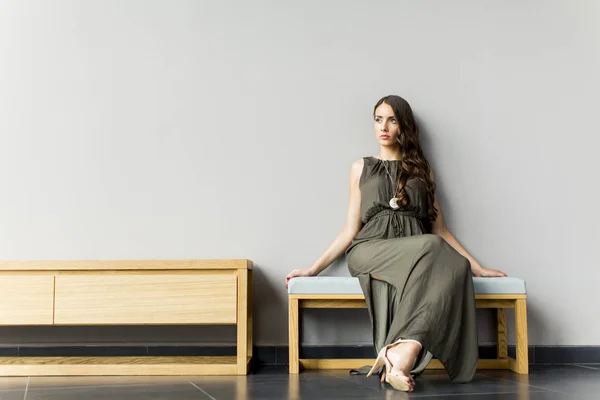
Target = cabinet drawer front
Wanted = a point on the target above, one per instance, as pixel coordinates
(146, 299)
(26, 299)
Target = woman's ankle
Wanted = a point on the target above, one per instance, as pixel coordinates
(403, 356)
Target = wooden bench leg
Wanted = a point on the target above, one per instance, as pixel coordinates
(501, 335)
(294, 336)
(521, 364)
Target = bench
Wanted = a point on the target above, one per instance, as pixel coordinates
(345, 292)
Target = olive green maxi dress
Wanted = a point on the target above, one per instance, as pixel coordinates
(424, 289)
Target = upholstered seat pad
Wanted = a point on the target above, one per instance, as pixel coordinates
(350, 285)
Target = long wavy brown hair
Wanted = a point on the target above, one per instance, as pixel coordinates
(414, 163)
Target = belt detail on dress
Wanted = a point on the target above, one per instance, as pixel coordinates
(395, 221)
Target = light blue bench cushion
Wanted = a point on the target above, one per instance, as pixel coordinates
(350, 285)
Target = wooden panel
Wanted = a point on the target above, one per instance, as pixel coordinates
(343, 363)
(124, 264)
(121, 272)
(482, 364)
(328, 296)
(500, 296)
(493, 364)
(495, 303)
(146, 365)
(26, 300)
(145, 299)
(361, 297)
(337, 363)
(317, 303)
(146, 272)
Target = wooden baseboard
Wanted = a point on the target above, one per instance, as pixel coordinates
(146, 365)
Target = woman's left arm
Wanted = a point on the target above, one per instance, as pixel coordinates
(439, 228)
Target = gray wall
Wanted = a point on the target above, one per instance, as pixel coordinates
(195, 129)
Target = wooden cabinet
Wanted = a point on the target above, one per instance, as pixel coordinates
(122, 292)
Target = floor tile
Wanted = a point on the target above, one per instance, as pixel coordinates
(437, 383)
(13, 383)
(308, 385)
(74, 382)
(539, 395)
(592, 366)
(132, 392)
(559, 382)
(12, 394)
(570, 380)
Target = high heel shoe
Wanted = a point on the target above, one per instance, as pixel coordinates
(396, 381)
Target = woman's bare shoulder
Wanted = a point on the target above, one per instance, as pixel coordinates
(357, 168)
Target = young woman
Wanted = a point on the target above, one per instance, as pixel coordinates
(415, 275)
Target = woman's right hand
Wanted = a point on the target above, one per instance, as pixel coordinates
(298, 272)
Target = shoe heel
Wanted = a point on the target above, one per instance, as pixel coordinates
(378, 362)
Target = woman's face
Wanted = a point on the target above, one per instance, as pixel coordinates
(387, 128)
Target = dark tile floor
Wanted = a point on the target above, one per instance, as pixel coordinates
(556, 382)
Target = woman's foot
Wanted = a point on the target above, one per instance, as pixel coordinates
(402, 356)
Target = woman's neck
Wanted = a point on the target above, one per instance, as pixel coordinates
(389, 154)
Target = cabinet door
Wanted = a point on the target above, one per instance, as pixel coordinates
(97, 299)
(26, 299)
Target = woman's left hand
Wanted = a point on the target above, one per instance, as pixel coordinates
(487, 273)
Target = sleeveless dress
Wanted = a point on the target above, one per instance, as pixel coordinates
(424, 287)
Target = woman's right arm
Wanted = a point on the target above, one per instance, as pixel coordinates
(343, 240)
